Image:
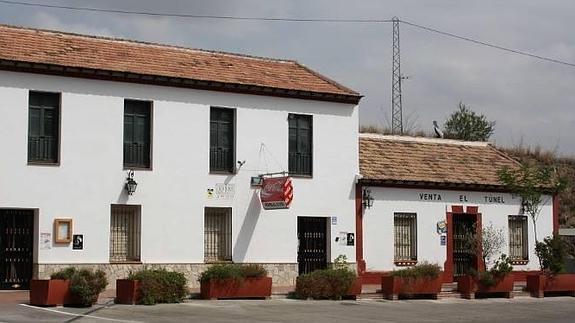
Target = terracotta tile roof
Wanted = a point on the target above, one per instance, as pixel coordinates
(219, 69)
(409, 160)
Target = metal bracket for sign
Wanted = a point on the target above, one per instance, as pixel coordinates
(258, 180)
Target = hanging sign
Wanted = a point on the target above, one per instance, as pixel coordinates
(276, 193)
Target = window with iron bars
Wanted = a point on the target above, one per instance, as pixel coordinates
(137, 129)
(518, 238)
(218, 234)
(405, 236)
(300, 144)
(43, 127)
(125, 233)
(222, 140)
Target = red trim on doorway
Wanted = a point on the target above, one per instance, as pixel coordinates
(555, 214)
(459, 210)
(359, 230)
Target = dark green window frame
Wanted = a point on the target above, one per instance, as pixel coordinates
(300, 145)
(137, 134)
(43, 127)
(222, 140)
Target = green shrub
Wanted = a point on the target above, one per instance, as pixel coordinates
(159, 286)
(85, 284)
(423, 270)
(325, 284)
(65, 273)
(232, 271)
(551, 253)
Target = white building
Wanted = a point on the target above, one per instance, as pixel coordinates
(79, 113)
(425, 193)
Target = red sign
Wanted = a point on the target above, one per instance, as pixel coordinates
(276, 193)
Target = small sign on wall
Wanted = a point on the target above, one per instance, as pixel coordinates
(45, 241)
(78, 242)
(350, 239)
(334, 220)
(442, 240)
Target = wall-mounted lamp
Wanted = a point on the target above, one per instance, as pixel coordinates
(131, 184)
(367, 199)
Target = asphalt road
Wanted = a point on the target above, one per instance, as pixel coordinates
(556, 309)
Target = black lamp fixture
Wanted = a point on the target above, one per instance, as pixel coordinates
(367, 199)
(131, 184)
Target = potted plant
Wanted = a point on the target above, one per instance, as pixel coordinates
(551, 253)
(340, 262)
(85, 287)
(235, 281)
(421, 279)
(332, 283)
(53, 291)
(498, 279)
(151, 286)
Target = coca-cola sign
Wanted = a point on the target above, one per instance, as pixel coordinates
(276, 193)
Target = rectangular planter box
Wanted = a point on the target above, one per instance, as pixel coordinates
(392, 287)
(469, 285)
(49, 292)
(127, 291)
(230, 288)
(537, 285)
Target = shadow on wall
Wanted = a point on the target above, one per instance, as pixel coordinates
(247, 230)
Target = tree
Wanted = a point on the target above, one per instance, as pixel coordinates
(531, 182)
(465, 124)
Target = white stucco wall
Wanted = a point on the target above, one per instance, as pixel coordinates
(90, 177)
(378, 222)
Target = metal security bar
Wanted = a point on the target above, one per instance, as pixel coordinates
(218, 234)
(312, 243)
(518, 244)
(125, 233)
(405, 236)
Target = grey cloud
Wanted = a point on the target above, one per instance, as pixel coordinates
(531, 101)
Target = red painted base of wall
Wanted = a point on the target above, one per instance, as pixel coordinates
(230, 288)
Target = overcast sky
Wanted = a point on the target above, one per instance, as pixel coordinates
(532, 101)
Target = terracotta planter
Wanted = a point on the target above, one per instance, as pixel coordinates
(392, 287)
(355, 289)
(469, 285)
(231, 288)
(538, 284)
(49, 292)
(127, 291)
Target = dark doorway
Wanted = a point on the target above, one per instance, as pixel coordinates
(464, 255)
(312, 244)
(16, 248)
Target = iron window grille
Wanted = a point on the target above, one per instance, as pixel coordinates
(137, 129)
(125, 233)
(405, 236)
(43, 127)
(218, 234)
(300, 144)
(518, 238)
(222, 140)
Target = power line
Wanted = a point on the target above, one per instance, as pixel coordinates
(479, 42)
(178, 15)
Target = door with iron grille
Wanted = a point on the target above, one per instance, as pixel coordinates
(16, 248)
(312, 244)
(464, 256)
